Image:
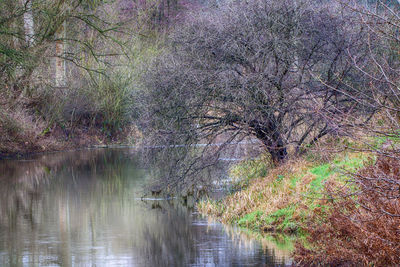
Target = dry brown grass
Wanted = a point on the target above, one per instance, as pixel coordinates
(19, 131)
(23, 133)
(318, 200)
(267, 194)
(361, 230)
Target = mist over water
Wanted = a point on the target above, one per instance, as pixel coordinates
(83, 208)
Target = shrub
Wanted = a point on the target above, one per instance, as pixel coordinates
(362, 228)
(113, 101)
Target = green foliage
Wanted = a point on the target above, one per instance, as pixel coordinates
(282, 219)
(113, 100)
(251, 220)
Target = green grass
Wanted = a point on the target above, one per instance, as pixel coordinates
(378, 141)
(341, 167)
(282, 218)
(322, 172)
(298, 190)
(247, 170)
(251, 220)
(294, 180)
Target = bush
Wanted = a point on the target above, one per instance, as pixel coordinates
(112, 98)
(362, 228)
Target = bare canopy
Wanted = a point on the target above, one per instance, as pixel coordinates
(270, 69)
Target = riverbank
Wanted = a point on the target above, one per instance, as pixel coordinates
(25, 142)
(320, 202)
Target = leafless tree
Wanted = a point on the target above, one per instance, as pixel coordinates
(269, 69)
(380, 184)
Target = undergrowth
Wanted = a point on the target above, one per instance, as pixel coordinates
(361, 229)
(95, 108)
(343, 209)
(288, 197)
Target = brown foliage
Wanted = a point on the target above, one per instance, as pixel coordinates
(361, 229)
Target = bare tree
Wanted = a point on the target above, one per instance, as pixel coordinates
(36, 27)
(380, 184)
(363, 223)
(268, 69)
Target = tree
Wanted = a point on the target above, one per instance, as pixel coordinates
(268, 69)
(379, 185)
(60, 68)
(28, 23)
(31, 29)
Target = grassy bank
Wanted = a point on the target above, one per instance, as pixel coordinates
(286, 197)
(306, 197)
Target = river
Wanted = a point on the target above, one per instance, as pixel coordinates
(83, 208)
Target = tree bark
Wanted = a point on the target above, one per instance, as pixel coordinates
(60, 79)
(272, 139)
(29, 25)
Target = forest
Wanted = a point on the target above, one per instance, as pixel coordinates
(313, 85)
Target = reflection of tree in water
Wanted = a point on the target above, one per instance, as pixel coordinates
(20, 189)
(185, 242)
(25, 202)
(274, 250)
(23, 181)
(197, 168)
(171, 241)
(85, 209)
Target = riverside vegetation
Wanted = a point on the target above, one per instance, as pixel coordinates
(326, 206)
(69, 71)
(316, 83)
(296, 77)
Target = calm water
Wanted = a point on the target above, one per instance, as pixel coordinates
(83, 208)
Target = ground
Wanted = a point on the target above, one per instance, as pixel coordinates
(304, 197)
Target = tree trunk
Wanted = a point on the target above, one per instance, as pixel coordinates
(60, 79)
(271, 138)
(278, 153)
(12, 25)
(28, 23)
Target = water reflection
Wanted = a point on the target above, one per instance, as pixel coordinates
(83, 208)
